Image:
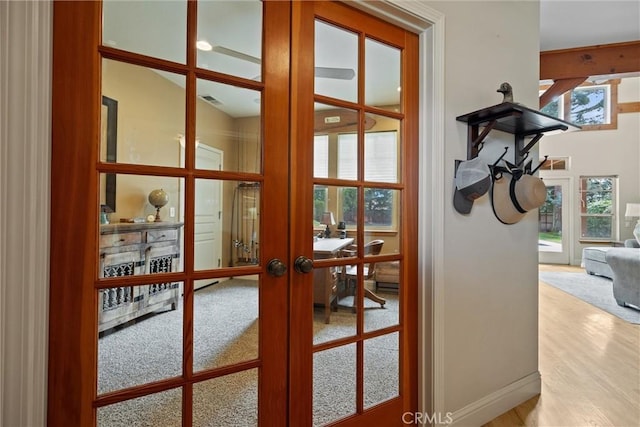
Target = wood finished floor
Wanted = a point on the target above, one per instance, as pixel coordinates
(589, 361)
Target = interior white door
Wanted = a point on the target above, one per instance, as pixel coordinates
(554, 230)
(208, 213)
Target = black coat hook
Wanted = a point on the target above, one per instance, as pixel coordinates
(539, 166)
(527, 167)
(501, 157)
(496, 172)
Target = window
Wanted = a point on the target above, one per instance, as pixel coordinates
(380, 165)
(321, 156)
(591, 105)
(320, 196)
(381, 156)
(555, 164)
(555, 108)
(598, 208)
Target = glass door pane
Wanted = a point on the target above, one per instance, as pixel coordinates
(550, 221)
(553, 224)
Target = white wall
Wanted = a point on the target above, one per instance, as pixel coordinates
(601, 152)
(490, 269)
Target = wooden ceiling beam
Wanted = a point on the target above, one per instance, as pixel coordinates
(615, 58)
(558, 88)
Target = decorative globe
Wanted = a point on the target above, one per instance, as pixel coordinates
(158, 198)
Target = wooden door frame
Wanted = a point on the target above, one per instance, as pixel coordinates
(72, 331)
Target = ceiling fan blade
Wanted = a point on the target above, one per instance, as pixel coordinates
(323, 72)
(335, 73)
(235, 54)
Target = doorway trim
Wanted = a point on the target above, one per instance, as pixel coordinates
(28, 360)
(25, 167)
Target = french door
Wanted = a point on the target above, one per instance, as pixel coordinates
(314, 105)
(554, 228)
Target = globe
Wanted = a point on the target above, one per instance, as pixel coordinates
(158, 198)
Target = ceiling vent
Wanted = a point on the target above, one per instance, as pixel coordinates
(210, 99)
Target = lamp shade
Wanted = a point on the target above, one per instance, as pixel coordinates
(327, 219)
(633, 210)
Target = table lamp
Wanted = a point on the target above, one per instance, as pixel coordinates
(328, 220)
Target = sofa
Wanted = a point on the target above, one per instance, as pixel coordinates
(625, 266)
(594, 258)
(594, 261)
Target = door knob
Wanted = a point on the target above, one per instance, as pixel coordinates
(276, 268)
(302, 264)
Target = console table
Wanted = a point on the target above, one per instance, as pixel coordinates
(325, 280)
(133, 249)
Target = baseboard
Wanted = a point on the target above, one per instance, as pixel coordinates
(497, 403)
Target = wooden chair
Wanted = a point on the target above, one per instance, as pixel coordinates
(350, 272)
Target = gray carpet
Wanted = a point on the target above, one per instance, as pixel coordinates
(225, 332)
(595, 290)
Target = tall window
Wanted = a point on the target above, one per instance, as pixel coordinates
(380, 165)
(598, 210)
(381, 156)
(337, 156)
(592, 106)
(320, 170)
(321, 156)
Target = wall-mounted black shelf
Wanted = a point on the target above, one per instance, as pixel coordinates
(512, 118)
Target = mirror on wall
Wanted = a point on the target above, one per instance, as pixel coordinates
(109, 143)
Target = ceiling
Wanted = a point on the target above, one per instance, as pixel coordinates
(578, 23)
(236, 26)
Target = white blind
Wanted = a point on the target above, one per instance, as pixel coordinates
(380, 156)
(321, 156)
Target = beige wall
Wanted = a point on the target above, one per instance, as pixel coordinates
(150, 119)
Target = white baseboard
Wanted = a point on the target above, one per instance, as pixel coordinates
(497, 403)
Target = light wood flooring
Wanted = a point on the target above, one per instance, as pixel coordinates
(589, 361)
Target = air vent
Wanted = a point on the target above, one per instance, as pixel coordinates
(210, 99)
